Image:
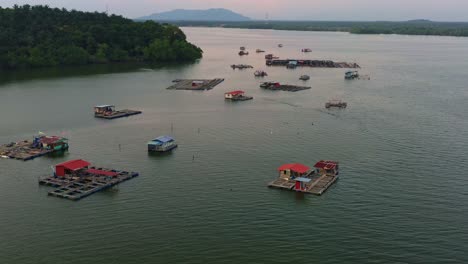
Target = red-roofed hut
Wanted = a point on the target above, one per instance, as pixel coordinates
(327, 167)
(70, 166)
(293, 170)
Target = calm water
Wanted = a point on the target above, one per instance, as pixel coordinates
(402, 143)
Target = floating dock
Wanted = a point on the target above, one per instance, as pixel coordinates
(336, 103)
(109, 112)
(241, 66)
(28, 150)
(119, 114)
(297, 177)
(195, 84)
(237, 96)
(73, 180)
(275, 86)
(313, 63)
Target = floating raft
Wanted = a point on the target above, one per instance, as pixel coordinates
(318, 183)
(313, 63)
(86, 181)
(297, 177)
(195, 84)
(241, 66)
(118, 114)
(22, 150)
(28, 150)
(237, 96)
(283, 87)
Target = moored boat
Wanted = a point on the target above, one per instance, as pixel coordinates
(350, 75)
(260, 73)
(162, 144)
(304, 77)
(292, 64)
(335, 103)
(237, 96)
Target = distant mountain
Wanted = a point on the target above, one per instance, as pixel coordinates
(214, 14)
(419, 21)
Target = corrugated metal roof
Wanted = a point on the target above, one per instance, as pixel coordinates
(302, 179)
(103, 106)
(164, 139)
(235, 92)
(74, 164)
(326, 164)
(296, 167)
(102, 172)
(50, 139)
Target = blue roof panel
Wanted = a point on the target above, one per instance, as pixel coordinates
(164, 139)
(302, 179)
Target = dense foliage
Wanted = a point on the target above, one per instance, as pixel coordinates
(417, 27)
(34, 36)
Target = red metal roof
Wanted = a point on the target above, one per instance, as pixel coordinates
(74, 164)
(285, 167)
(326, 164)
(102, 172)
(50, 139)
(236, 92)
(296, 167)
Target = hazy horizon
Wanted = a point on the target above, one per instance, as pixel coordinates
(325, 10)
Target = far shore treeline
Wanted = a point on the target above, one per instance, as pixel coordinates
(414, 27)
(37, 36)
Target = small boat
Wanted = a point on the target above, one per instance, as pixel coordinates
(242, 48)
(336, 103)
(269, 84)
(304, 77)
(259, 73)
(242, 53)
(292, 64)
(351, 75)
(306, 50)
(162, 144)
(259, 51)
(237, 96)
(280, 45)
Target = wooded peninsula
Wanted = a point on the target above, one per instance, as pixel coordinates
(37, 36)
(414, 27)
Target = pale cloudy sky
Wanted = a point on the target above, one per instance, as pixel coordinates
(440, 10)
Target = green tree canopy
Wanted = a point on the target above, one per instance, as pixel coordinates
(36, 36)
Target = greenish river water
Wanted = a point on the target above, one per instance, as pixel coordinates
(402, 144)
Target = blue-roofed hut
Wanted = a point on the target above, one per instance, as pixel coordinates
(162, 144)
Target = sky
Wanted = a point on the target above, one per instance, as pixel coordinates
(350, 10)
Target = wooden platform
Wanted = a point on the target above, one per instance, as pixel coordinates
(22, 150)
(119, 114)
(314, 63)
(318, 184)
(284, 87)
(76, 188)
(240, 98)
(200, 84)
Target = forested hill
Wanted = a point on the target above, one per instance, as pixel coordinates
(35, 36)
(413, 27)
